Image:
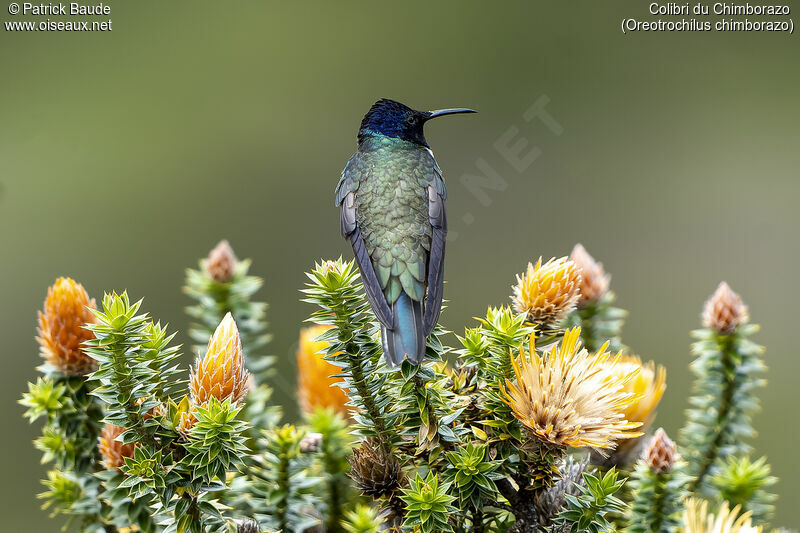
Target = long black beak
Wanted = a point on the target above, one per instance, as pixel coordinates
(454, 111)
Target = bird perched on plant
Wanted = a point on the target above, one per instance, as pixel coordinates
(392, 197)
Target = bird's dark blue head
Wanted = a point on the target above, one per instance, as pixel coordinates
(389, 118)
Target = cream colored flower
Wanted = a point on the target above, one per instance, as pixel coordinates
(568, 397)
(547, 293)
(697, 519)
(221, 373)
(61, 331)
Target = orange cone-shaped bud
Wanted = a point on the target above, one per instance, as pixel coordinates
(221, 373)
(61, 330)
(112, 450)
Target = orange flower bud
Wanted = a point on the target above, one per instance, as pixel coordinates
(314, 375)
(112, 450)
(61, 330)
(221, 372)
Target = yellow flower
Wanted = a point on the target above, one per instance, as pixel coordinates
(61, 332)
(594, 280)
(568, 397)
(724, 311)
(648, 385)
(221, 373)
(547, 293)
(315, 385)
(697, 519)
(112, 450)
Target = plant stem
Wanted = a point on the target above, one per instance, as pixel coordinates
(420, 390)
(371, 407)
(729, 375)
(283, 484)
(659, 495)
(477, 521)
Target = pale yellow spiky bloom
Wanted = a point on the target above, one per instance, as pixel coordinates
(648, 384)
(568, 397)
(315, 387)
(61, 327)
(547, 293)
(697, 519)
(221, 373)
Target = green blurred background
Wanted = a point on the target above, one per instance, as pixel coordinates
(127, 155)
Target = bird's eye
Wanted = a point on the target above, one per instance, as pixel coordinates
(411, 119)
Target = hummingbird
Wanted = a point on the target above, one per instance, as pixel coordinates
(392, 195)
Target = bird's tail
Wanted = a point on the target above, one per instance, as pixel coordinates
(407, 336)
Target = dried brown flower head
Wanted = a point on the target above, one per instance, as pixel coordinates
(375, 472)
(547, 293)
(724, 311)
(221, 373)
(61, 331)
(568, 397)
(697, 519)
(316, 388)
(221, 263)
(594, 280)
(660, 453)
(113, 451)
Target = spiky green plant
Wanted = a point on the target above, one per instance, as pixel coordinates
(279, 485)
(335, 290)
(727, 371)
(492, 443)
(136, 367)
(743, 482)
(472, 476)
(335, 447)
(362, 519)
(600, 321)
(222, 285)
(657, 499)
(592, 509)
(428, 505)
